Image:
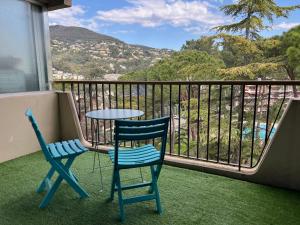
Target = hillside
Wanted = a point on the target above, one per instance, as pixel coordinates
(79, 51)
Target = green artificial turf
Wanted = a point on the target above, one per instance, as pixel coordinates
(188, 197)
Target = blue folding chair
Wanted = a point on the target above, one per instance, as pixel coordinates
(147, 155)
(54, 153)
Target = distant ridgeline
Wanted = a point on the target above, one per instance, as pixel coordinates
(79, 53)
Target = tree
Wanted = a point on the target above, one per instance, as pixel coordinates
(205, 44)
(283, 52)
(185, 65)
(249, 72)
(237, 50)
(291, 52)
(252, 14)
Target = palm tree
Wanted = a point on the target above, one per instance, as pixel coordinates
(252, 14)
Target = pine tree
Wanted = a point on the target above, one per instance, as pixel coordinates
(252, 14)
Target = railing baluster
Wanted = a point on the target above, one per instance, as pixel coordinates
(138, 104)
(123, 95)
(153, 103)
(268, 111)
(219, 122)
(230, 121)
(79, 100)
(138, 96)
(188, 121)
(170, 114)
(97, 106)
(103, 107)
(130, 103)
(208, 121)
(241, 126)
(72, 91)
(198, 120)
(109, 102)
(253, 127)
(179, 117)
(123, 104)
(91, 109)
(130, 96)
(85, 111)
(116, 95)
(161, 101)
(146, 108)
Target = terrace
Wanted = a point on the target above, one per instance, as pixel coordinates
(232, 150)
(188, 197)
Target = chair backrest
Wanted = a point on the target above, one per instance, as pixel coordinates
(38, 133)
(135, 130)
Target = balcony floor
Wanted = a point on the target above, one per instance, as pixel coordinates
(188, 197)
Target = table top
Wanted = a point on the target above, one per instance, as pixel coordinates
(113, 114)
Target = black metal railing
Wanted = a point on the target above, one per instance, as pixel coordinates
(226, 122)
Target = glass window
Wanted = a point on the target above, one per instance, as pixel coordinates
(19, 56)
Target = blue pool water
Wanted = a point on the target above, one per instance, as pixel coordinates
(261, 133)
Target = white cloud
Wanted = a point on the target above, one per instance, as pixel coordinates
(197, 30)
(195, 16)
(284, 26)
(73, 16)
(154, 13)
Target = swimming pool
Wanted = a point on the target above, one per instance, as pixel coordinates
(262, 132)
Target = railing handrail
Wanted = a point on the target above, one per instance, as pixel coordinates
(209, 82)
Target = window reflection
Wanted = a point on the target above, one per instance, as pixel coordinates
(18, 64)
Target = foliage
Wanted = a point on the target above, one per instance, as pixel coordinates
(204, 44)
(183, 65)
(251, 71)
(251, 15)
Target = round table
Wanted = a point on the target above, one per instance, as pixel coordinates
(114, 114)
(108, 114)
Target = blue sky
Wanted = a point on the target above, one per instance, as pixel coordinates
(157, 23)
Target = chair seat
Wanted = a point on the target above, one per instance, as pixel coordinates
(136, 156)
(65, 149)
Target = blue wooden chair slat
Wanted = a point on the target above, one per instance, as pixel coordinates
(54, 153)
(67, 148)
(136, 130)
(61, 150)
(147, 155)
(141, 123)
(137, 150)
(138, 162)
(128, 157)
(74, 146)
(79, 145)
(140, 136)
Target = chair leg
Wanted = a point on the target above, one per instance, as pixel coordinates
(94, 161)
(100, 170)
(141, 175)
(73, 175)
(62, 170)
(51, 192)
(121, 205)
(49, 175)
(66, 174)
(155, 189)
(113, 184)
